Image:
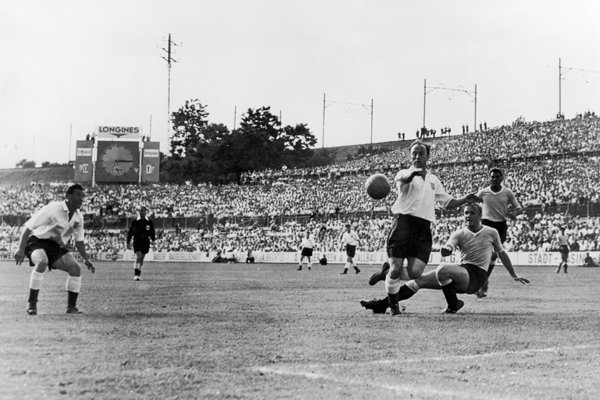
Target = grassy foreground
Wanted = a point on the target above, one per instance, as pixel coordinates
(237, 331)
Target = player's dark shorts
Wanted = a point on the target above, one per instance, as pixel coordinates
(410, 236)
(53, 250)
(350, 250)
(477, 277)
(500, 226)
(142, 246)
(564, 252)
(306, 252)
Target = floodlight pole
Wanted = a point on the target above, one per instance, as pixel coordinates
(471, 93)
(169, 59)
(365, 106)
(562, 71)
(475, 112)
(371, 121)
(559, 88)
(323, 130)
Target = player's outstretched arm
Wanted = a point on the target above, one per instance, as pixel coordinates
(470, 198)
(508, 265)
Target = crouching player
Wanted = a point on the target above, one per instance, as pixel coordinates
(43, 242)
(477, 243)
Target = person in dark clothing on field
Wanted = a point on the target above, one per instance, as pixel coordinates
(142, 231)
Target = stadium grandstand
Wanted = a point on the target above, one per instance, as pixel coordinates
(553, 167)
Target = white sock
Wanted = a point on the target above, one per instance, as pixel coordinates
(35, 280)
(413, 285)
(74, 284)
(392, 286)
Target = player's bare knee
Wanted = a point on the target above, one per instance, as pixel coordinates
(40, 260)
(413, 274)
(442, 273)
(73, 268)
(395, 271)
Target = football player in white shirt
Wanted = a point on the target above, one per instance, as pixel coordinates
(350, 241)
(410, 235)
(563, 246)
(306, 250)
(496, 200)
(477, 243)
(44, 242)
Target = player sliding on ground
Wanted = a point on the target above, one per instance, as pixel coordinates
(477, 242)
(410, 236)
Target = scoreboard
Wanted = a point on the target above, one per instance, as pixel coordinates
(117, 154)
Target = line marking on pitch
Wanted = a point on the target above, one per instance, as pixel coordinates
(472, 356)
(398, 389)
(285, 370)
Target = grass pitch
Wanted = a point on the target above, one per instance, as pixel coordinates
(258, 331)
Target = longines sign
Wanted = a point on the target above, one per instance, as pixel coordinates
(119, 132)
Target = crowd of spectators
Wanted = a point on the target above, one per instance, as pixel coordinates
(547, 164)
(535, 233)
(551, 181)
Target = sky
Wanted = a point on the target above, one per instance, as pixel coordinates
(69, 66)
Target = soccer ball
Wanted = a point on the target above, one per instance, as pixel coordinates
(377, 186)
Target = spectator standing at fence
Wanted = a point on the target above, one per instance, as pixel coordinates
(44, 242)
(563, 248)
(306, 250)
(350, 241)
(499, 203)
(142, 231)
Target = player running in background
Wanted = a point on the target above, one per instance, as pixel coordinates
(414, 210)
(563, 248)
(44, 242)
(496, 203)
(477, 243)
(142, 231)
(350, 241)
(306, 250)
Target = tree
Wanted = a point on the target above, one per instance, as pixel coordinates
(298, 143)
(201, 162)
(188, 124)
(203, 151)
(48, 164)
(256, 145)
(261, 143)
(24, 163)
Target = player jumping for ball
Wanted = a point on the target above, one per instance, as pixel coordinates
(414, 210)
